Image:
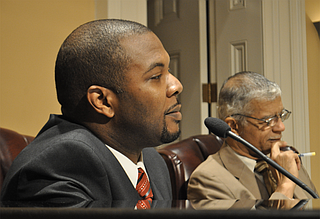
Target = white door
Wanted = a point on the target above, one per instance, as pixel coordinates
(181, 26)
(238, 37)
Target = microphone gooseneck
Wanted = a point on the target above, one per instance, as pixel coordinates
(223, 130)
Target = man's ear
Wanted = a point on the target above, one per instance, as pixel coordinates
(102, 100)
(233, 124)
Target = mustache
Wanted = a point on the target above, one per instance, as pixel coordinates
(172, 107)
(276, 137)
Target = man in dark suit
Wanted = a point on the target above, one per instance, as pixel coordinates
(118, 100)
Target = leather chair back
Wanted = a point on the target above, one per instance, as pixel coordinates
(11, 143)
(183, 157)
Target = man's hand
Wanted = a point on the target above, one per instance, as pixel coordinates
(290, 161)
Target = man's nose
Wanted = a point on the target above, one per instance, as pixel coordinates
(174, 86)
(279, 126)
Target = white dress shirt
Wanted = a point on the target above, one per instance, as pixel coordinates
(128, 166)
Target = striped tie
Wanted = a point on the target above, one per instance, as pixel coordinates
(270, 181)
(144, 189)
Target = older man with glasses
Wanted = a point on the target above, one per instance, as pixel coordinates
(251, 105)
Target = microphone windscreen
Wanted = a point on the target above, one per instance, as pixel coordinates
(217, 126)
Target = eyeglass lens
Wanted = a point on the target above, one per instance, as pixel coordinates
(284, 116)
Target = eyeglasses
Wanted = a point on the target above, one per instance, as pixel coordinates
(271, 121)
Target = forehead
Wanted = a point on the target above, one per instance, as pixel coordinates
(264, 108)
(144, 49)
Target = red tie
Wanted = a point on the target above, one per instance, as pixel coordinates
(144, 189)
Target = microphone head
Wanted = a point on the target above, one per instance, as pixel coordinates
(217, 126)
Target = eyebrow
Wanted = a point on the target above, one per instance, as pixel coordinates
(268, 117)
(154, 65)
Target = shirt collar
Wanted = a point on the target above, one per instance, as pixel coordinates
(250, 163)
(128, 166)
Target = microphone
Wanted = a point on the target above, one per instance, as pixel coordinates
(223, 130)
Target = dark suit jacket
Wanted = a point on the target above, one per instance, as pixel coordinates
(67, 163)
(224, 176)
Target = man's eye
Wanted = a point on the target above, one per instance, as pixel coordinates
(156, 77)
(269, 119)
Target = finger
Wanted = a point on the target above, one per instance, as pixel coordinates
(275, 148)
(298, 161)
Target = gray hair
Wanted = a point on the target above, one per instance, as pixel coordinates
(240, 89)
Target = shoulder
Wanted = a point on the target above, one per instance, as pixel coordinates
(210, 180)
(213, 173)
(153, 159)
(59, 132)
(210, 168)
(62, 142)
(151, 155)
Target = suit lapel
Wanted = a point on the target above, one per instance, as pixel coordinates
(156, 192)
(239, 170)
(299, 193)
(124, 190)
(158, 174)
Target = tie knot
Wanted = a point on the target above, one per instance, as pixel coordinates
(261, 166)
